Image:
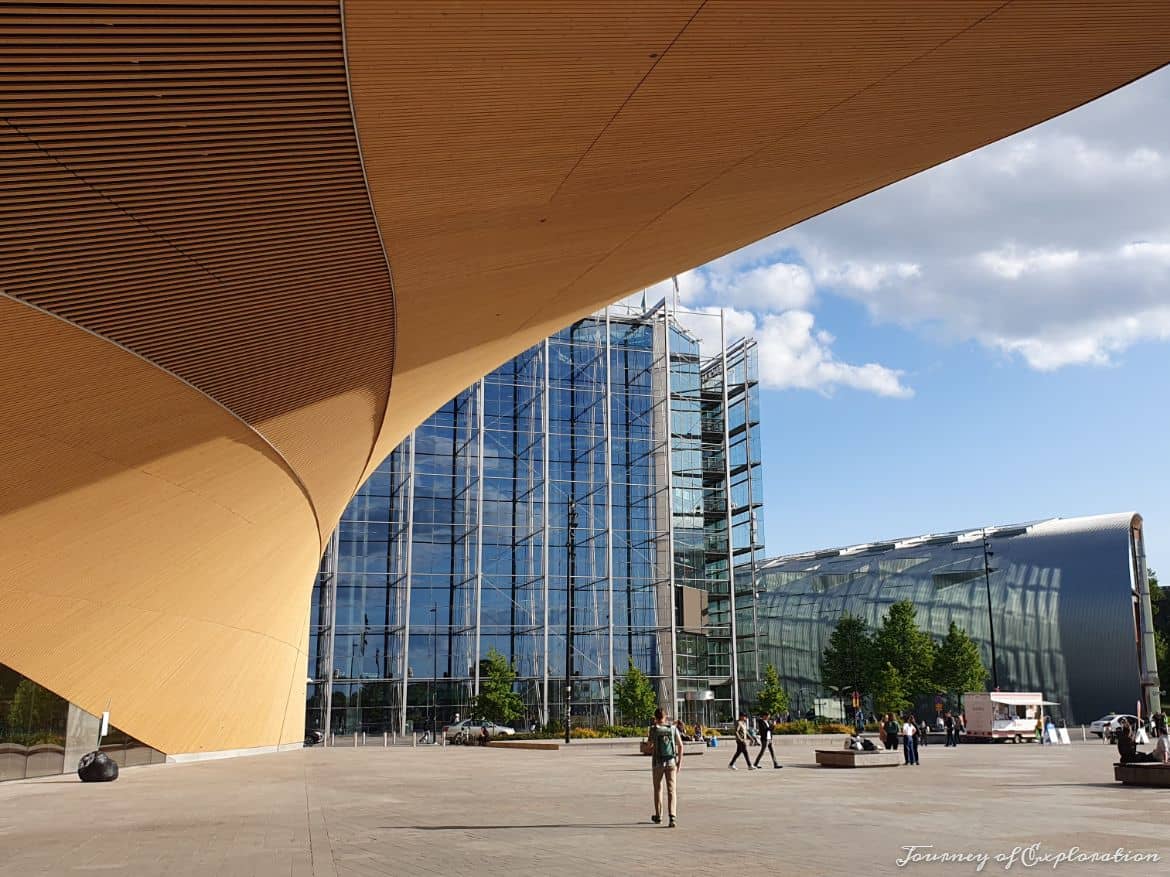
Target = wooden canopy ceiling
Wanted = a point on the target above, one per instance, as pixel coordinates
(245, 248)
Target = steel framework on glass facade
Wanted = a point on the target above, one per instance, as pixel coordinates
(1068, 600)
(459, 543)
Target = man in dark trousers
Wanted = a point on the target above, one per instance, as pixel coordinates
(741, 741)
(949, 724)
(764, 732)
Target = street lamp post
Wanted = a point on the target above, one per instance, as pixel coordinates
(434, 668)
(572, 568)
(987, 555)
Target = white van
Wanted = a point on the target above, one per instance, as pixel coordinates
(1004, 715)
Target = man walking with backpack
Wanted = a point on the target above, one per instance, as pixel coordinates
(666, 753)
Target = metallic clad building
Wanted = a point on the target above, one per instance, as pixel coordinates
(553, 467)
(1068, 601)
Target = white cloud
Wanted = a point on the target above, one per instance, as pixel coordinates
(866, 276)
(1052, 246)
(777, 286)
(1008, 263)
(792, 354)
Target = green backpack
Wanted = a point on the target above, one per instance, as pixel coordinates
(662, 737)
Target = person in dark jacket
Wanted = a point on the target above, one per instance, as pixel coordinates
(1127, 745)
(764, 732)
(892, 729)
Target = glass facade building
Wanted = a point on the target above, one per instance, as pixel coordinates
(590, 497)
(1067, 601)
(42, 734)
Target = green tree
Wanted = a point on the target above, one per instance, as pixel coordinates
(1161, 622)
(899, 642)
(634, 697)
(1162, 654)
(496, 700)
(35, 709)
(889, 691)
(848, 661)
(772, 697)
(958, 666)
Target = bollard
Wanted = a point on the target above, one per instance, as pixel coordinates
(363, 738)
(385, 739)
(355, 739)
(332, 739)
(1083, 736)
(394, 737)
(444, 739)
(414, 738)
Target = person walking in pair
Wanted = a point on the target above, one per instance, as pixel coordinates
(949, 725)
(741, 743)
(764, 733)
(910, 740)
(890, 725)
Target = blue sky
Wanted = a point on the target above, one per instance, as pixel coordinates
(987, 342)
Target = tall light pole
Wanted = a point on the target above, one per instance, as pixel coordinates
(434, 666)
(572, 568)
(987, 555)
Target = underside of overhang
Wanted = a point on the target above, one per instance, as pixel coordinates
(203, 204)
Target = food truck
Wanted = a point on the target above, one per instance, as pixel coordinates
(1004, 715)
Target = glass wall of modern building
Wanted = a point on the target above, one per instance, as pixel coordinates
(1065, 602)
(42, 734)
(574, 502)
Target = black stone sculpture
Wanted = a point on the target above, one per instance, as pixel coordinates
(97, 767)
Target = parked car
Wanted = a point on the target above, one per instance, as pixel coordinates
(1107, 725)
(469, 729)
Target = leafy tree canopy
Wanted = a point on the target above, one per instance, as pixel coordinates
(900, 643)
(958, 666)
(848, 662)
(889, 693)
(772, 697)
(634, 697)
(34, 708)
(496, 701)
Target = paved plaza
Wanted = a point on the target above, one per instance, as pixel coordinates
(584, 810)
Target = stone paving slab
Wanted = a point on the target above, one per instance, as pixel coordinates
(371, 812)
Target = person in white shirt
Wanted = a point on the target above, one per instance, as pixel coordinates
(1162, 744)
(910, 740)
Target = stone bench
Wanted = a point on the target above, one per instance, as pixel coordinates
(1142, 774)
(695, 747)
(853, 758)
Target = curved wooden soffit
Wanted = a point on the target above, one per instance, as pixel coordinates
(182, 180)
(198, 326)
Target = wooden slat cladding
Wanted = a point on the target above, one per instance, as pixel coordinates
(552, 157)
(184, 179)
(156, 554)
